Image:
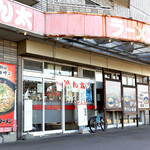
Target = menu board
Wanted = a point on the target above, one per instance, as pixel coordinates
(7, 96)
(82, 113)
(27, 115)
(129, 97)
(113, 95)
(143, 97)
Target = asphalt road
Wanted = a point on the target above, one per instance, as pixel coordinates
(113, 139)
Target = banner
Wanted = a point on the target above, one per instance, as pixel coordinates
(27, 115)
(82, 113)
(7, 96)
(113, 95)
(143, 96)
(129, 97)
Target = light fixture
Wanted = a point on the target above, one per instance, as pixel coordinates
(84, 38)
(57, 38)
(109, 40)
(25, 33)
(132, 43)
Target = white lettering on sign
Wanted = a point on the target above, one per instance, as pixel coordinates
(23, 18)
(120, 27)
(141, 33)
(117, 23)
(6, 11)
(18, 17)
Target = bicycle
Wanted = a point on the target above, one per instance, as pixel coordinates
(97, 121)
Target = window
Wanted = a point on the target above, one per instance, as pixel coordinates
(112, 75)
(33, 65)
(65, 70)
(33, 90)
(107, 75)
(128, 80)
(89, 74)
(141, 79)
(48, 68)
(124, 80)
(60, 70)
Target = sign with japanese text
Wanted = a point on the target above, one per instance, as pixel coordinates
(143, 96)
(113, 95)
(16, 15)
(21, 16)
(72, 24)
(129, 97)
(7, 95)
(82, 113)
(77, 89)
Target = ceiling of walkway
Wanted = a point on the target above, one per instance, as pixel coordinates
(122, 49)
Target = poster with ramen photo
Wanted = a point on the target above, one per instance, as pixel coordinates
(129, 97)
(143, 97)
(7, 95)
(113, 95)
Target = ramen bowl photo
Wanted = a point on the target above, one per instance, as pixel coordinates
(7, 96)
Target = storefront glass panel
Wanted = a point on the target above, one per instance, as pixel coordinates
(77, 89)
(53, 108)
(71, 99)
(32, 90)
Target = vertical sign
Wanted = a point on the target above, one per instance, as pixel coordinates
(143, 97)
(27, 115)
(113, 95)
(7, 96)
(82, 113)
(129, 95)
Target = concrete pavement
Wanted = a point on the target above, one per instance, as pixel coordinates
(113, 139)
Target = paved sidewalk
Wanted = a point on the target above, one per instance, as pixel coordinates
(113, 139)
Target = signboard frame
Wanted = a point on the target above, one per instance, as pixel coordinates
(7, 81)
(112, 98)
(27, 115)
(82, 113)
(147, 94)
(128, 99)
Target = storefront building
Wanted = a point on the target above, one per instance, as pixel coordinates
(54, 71)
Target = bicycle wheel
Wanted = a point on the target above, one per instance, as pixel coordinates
(102, 123)
(93, 125)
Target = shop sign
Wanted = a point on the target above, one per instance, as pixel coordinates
(113, 95)
(75, 86)
(59, 85)
(27, 115)
(5, 129)
(82, 113)
(7, 96)
(78, 85)
(21, 16)
(97, 26)
(129, 95)
(82, 25)
(143, 96)
(16, 15)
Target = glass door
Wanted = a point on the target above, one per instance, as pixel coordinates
(33, 91)
(70, 100)
(53, 106)
(77, 89)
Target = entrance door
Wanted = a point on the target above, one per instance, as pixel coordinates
(77, 89)
(70, 102)
(53, 106)
(33, 90)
